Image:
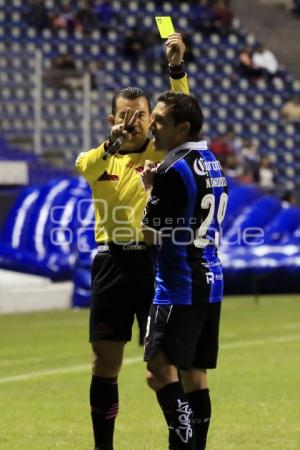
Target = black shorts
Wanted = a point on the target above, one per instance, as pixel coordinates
(187, 334)
(122, 289)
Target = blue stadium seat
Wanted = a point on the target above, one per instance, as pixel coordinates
(248, 228)
(283, 225)
(239, 198)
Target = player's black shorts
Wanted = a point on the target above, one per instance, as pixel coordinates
(187, 334)
(122, 289)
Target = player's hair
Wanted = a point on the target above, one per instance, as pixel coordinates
(130, 93)
(184, 108)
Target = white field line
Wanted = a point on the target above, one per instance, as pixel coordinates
(257, 342)
(22, 361)
(59, 370)
(34, 360)
(290, 326)
(136, 359)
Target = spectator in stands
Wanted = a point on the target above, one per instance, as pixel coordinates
(246, 67)
(97, 72)
(219, 146)
(245, 62)
(266, 174)
(233, 141)
(64, 18)
(265, 62)
(246, 176)
(134, 43)
(105, 14)
(291, 110)
(64, 62)
(63, 73)
(250, 158)
(37, 15)
(231, 166)
(223, 15)
(212, 16)
(203, 16)
(84, 20)
(226, 144)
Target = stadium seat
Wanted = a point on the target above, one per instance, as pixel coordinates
(283, 225)
(240, 197)
(248, 228)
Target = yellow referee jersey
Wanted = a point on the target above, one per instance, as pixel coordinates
(118, 193)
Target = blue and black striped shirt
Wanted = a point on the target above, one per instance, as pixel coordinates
(187, 206)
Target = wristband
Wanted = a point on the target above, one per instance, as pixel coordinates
(177, 71)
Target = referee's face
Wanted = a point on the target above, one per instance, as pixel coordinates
(141, 127)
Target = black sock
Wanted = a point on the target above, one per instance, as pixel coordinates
(174, 404)
(104, 402)
(201, 407)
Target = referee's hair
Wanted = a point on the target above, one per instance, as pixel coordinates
(183, 108)
(130, 93)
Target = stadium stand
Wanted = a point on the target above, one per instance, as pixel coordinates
(251, 108)
(49, 232)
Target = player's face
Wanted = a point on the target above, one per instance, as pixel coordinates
(166, 134)
(138, 137)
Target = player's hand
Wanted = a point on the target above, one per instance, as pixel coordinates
(148, 174)
(175, 49)
(126, 127)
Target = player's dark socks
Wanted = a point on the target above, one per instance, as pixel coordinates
(174, 404)
(201, 407)
(104, 402)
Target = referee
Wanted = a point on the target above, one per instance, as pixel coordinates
(184, 215)
(122, 273)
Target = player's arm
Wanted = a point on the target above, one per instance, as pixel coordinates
(175, 50)
(168, 196)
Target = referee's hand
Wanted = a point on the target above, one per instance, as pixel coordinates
(175, 49)
(121, 129)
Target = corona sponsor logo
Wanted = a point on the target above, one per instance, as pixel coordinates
(199, 167)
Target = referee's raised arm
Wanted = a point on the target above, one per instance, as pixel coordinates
(175, 49)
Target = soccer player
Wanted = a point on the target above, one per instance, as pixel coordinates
(184, 215)
(122, 273)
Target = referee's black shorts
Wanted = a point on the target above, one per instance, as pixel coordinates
(187, 334)
(122, 289)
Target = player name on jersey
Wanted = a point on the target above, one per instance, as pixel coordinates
(216, 182)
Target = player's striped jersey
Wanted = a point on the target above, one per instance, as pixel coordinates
(187, 206)
(118, 193)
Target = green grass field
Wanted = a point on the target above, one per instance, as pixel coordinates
(45, 376)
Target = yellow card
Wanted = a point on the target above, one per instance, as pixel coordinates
(165, 26)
